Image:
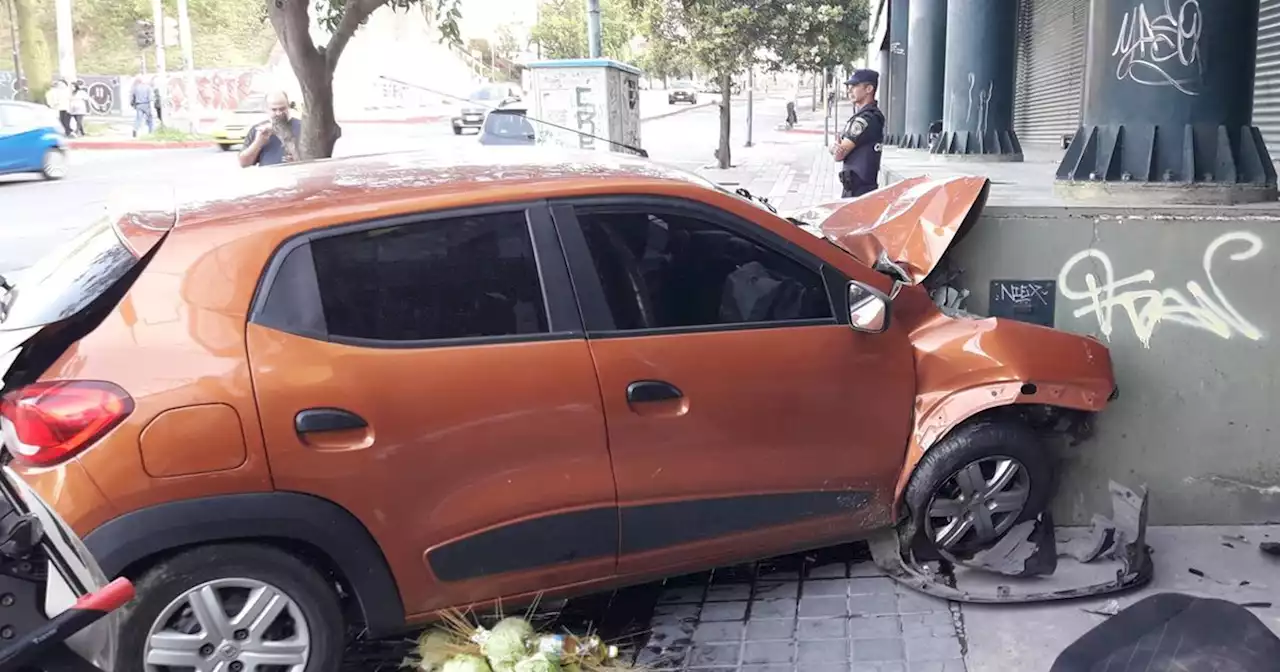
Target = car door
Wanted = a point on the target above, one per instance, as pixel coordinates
(10, 139)
(430, 374)
(745, 418)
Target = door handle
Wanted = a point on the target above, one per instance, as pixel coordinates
(646, 391)
(326, 420)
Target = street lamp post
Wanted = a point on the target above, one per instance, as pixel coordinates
(66, 40)
(593, 28)
(751, 90)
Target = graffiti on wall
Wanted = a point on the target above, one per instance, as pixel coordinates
(1147, 306)
(215, 90)
(1161, 49)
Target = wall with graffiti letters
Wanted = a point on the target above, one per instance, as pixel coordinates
(1188, 301)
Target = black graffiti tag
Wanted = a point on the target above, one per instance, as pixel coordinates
(586, 118)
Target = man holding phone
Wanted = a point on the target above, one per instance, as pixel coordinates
(275, 140)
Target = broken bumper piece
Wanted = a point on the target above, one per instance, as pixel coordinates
(1034, 562)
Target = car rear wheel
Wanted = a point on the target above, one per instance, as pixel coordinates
(54, 165)
(457, 130)
(237, 607)
(225, 147)
(978, 482)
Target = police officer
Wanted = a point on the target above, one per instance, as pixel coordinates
(859, 148)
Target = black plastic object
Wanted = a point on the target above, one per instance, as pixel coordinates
(978, 92)
(1168, 106)
(644, 391)
(327, 420)
(1172, 631)
(40, 644)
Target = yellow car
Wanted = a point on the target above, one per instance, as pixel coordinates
(234, 125)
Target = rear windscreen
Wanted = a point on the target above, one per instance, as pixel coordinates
(511, 126)
(66, 280)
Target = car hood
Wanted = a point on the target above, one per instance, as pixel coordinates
(913, 222)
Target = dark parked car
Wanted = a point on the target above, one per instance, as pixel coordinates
(683, 92)
(480, 102)
(508, 126)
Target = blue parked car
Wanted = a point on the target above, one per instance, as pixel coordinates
(31, 140)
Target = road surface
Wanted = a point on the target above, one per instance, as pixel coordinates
(38, 214)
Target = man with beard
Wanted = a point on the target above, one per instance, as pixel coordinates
(273, 141)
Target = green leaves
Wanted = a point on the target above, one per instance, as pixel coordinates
(561, 29)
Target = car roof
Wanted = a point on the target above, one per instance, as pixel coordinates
(367, 187)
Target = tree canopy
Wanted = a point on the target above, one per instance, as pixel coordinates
(561, 29)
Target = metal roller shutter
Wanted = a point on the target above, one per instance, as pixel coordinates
(1266, 88)
(1051, 45)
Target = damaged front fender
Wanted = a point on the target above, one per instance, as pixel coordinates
(1033, 562)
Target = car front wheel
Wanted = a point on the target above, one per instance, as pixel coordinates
(236, 607)
(54, 164)
(975, 484)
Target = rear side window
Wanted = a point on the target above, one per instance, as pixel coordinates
(463, 277)
(66, 280)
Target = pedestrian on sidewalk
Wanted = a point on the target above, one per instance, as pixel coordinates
(159, 101)
(275, 140)
(59, 98)
(860, 146)
(79, 106)
(140, 100)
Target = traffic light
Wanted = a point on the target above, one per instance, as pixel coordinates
(144, 33)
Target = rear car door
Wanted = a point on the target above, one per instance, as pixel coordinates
(430, 374)
(745, 417)
(10, 138)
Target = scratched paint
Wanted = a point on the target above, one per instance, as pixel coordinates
(1147, 306)
(1161, 49)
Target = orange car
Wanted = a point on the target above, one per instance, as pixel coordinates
(357, 391)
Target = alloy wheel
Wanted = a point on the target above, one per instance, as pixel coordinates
(54, 165)
(977, 504)
(229, 625)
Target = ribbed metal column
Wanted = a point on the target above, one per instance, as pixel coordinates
(926, 62)
(981, 71)
(1168, 106)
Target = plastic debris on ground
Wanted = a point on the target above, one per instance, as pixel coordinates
(511, 645)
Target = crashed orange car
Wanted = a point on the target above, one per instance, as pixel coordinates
(355, 392)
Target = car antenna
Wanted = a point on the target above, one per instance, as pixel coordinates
(637, 150)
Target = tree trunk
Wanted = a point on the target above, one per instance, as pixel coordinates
(320, 130)
(37, 63)
(726, 101)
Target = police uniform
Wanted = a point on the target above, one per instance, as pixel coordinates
(860, 171)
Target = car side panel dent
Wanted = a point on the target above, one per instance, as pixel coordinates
(287, 516)
(967, 366)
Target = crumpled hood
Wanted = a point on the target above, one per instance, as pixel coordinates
(913, 222)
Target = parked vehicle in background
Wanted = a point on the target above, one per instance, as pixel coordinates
(683, 92)
(31, 140)
(508, 126)
(356, 391)
(480, 102)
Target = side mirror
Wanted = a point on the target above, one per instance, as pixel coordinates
(868, 308)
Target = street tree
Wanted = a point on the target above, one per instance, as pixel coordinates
(314, 65)
(37, 61)
(817, 35)
(508, 46)
(561, 29)
(667, 50)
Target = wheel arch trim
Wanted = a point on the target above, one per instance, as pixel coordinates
(288, 516)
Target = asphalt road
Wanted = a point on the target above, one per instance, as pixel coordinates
(35, 215)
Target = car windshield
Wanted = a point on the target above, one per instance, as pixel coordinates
(684, 85)
(66, 280)
(509, 125)
(255, 103)
(488, 93)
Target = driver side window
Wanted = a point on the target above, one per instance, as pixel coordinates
(671, 270)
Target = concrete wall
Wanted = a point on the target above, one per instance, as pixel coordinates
(1187, 301)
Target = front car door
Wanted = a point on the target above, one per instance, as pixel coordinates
(430, 375)
(745, 417)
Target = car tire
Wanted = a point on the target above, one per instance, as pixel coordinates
(671, 101)
(457, 130)
(225, 147)
(53, 166)
(946, 482)
(232, 571)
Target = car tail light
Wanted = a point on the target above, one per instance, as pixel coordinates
(47, 423)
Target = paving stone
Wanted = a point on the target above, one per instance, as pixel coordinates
(825, 667)
(822, 628)
(873, 605)
(773, 609)
(776, 628)
(724, 611)
(729, 592)
(886, 649)
(767, 668)
(823, 652)
(863, 666)
(933, 648)
(823, 607)
(681, 612)
(661, 659)
(669, 635)
(864, 569)
(835, 570)
(956, 665)
(874, 627)
(911, 602)
(682, 595)
(715, 655)
(768, 653)
(828, 588)
(719, 632)
(774, 590)
(871, 586)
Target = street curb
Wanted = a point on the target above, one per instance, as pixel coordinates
(136, 144)
(672, 113)
(407, 120)
(805, 131)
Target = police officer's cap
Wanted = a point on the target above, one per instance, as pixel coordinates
(863, 76)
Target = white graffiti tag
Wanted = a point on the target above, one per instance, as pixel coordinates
(1025, 292)
(1148, 307)
(1149, 46)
